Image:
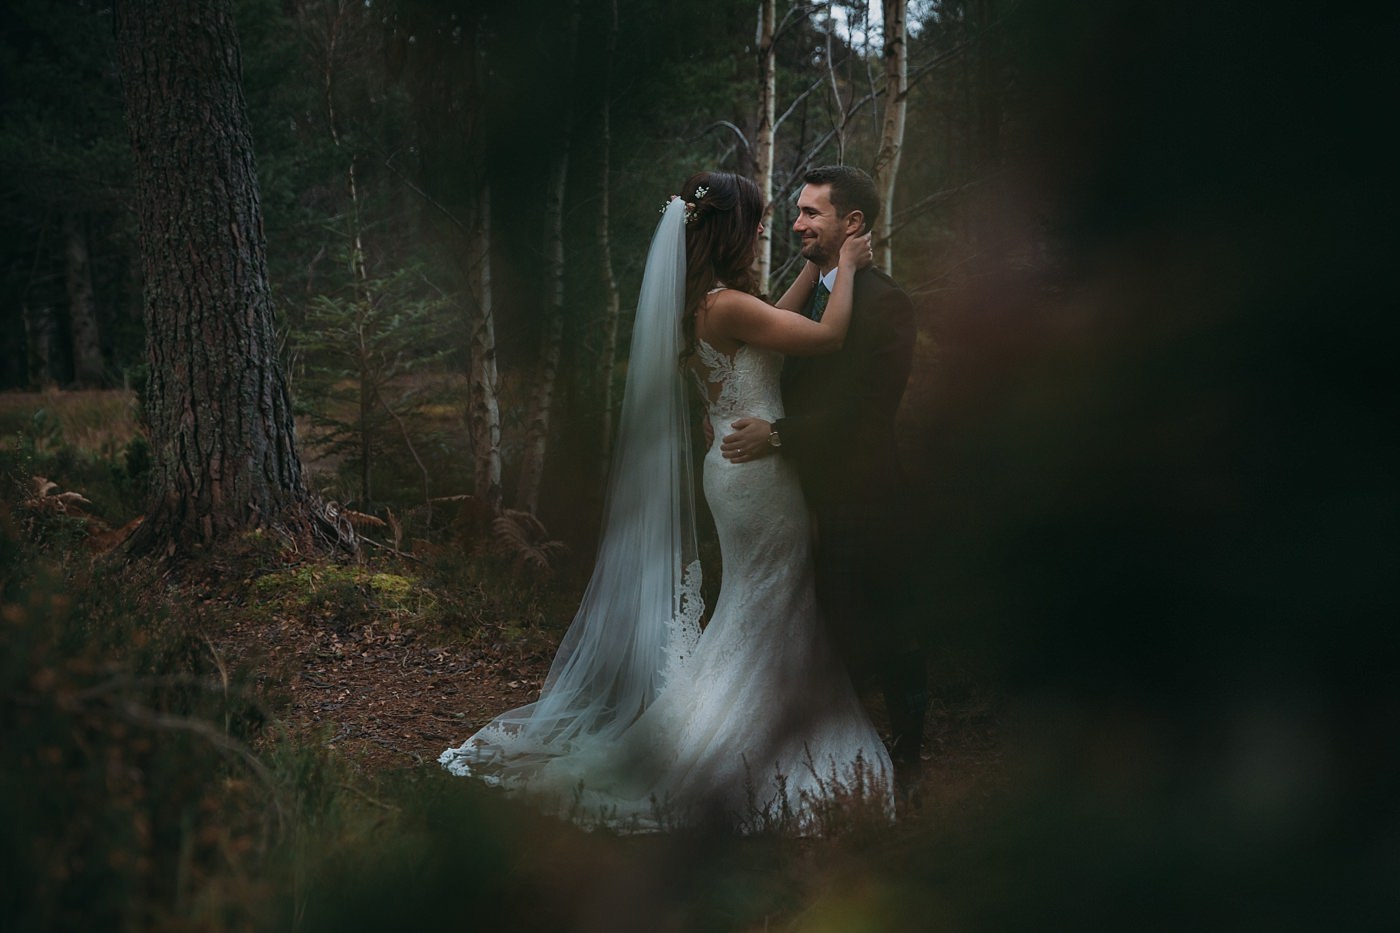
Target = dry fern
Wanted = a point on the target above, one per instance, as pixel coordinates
(363, 519)
(394, 526)
(523, 539)
(45, 499)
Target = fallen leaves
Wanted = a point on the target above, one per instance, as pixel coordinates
(385, 689)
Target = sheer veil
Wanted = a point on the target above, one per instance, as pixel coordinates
(639, 617)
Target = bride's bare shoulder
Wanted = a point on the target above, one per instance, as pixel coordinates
(729, 304)
(721, 315)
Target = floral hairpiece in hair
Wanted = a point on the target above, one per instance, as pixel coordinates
(690, 215)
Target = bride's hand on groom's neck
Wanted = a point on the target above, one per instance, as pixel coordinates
(857, 251)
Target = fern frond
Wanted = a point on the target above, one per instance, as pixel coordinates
(363, 520)
(523, 538)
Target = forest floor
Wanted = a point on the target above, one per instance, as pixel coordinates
(386, 695)
(347, 679)
(391, 694)
(388, 665)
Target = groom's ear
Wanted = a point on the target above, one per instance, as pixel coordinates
(855, 223)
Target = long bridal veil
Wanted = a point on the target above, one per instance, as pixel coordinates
(639, 617)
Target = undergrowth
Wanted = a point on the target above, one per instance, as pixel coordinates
(148, 781)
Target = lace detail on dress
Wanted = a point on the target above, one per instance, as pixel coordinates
(743, 384)
(684, 629)
(720, 372)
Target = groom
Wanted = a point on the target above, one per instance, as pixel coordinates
(839, 432)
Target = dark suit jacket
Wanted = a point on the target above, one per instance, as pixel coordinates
(840, 410)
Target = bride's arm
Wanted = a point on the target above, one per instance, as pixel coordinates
(800, 291)
(747, 319)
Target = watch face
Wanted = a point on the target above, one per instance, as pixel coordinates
(775, 440)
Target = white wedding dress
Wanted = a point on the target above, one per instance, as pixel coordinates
(752, 723)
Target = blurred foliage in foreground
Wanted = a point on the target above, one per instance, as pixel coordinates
(1162, 508)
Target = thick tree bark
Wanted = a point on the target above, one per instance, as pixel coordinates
(223, 443)
(82, 309)
(896, 16)
(763, 138)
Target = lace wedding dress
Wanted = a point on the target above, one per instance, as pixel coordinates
(753, 722)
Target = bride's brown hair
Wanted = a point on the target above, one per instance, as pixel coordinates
(719, 240)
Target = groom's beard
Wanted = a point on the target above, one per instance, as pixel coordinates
(813, 251)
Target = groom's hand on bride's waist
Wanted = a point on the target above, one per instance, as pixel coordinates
(752, 439)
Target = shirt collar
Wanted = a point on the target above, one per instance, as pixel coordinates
(829, 280)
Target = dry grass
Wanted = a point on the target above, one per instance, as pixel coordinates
(96, 422)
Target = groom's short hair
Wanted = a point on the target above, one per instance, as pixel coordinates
(851, 190)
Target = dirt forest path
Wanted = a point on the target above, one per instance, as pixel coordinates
(382, 694)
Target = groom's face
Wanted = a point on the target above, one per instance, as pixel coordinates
(821, 228)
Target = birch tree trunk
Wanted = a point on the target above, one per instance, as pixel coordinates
(222, 438)
(763, 138)
(527, 497)
(82, 311)
(483, 409)
(611, 300)
(896, 15)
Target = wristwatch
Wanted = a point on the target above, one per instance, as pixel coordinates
(774, 440)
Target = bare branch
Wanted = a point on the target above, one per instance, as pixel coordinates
(799, 99)
(913, 212)
(432, 202)
(793, 18)
(725, 124)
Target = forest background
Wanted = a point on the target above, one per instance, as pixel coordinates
(1151, 428)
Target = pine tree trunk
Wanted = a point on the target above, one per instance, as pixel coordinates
(763, 138)
(82, 311)
(896, 13)
(483, 409)
(220, 414)
(612, 303)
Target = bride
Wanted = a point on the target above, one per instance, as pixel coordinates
(645, 721)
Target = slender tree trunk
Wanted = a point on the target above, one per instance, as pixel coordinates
(483, 409)
(551, 346)
(896, 16)
(838, 105)
(763, 138)
(335, 31)
(224, 448)
(82, 310)
(527, 496)
(38, 340)
(366, 399)
(612, 303)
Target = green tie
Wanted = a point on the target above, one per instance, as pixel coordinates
(819, 302)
